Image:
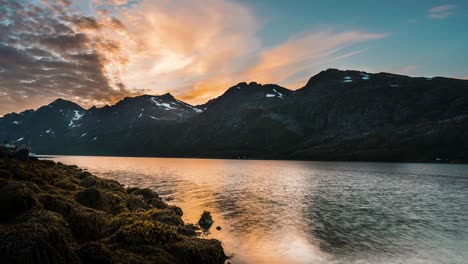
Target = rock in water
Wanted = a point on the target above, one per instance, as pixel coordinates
(218, 228)
(206, 220)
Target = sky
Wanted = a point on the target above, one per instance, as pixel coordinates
(95, 52)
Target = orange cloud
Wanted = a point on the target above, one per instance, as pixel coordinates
(178, 45)
(196, 51)
(283, 62)
(304, 51)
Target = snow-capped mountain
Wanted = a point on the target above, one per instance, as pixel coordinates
(337, 115)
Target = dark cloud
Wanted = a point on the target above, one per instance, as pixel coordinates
(86, 23)
(46, 51)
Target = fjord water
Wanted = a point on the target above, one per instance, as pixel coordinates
(312, 212)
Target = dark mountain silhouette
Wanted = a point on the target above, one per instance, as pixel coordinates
(337, 115)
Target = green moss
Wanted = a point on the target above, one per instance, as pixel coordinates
(37, 237)
(146, 233)
(54, 213)
(16, 198)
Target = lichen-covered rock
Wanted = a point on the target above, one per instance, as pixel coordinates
(54, 213)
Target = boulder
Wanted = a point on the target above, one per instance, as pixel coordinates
(91, 197)
(197, 250)
(15, 198)
(206, 221)
(38, 237)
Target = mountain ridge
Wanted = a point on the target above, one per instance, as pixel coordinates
(337, 115)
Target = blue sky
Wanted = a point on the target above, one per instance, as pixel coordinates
(416, 42)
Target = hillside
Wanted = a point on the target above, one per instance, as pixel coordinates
(337, 115)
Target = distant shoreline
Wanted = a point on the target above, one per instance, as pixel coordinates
(51, 156)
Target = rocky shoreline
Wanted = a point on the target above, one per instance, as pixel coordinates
(55, 213)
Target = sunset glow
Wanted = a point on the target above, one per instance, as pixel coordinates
(96, 52)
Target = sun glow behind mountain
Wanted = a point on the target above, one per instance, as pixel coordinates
(96, 52)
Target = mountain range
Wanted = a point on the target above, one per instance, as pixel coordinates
(337, 115)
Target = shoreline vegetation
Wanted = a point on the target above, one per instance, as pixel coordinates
(56, 213)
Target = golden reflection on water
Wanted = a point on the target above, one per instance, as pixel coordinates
(226, 188)
(311, 212)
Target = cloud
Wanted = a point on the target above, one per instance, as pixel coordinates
(197, 51)
(442, 11)
(289, 63)
(306, 50)
(184, 45)
(46, 52)
(125, 47)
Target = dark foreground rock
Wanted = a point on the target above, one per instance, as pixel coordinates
(206, 221)
(53, 213)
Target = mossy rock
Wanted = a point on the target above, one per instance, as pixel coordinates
(165, 216)
(39, 237)
(146, 233)
(195, 250)
(66, 185)
(83, 174)
(95, 252)
(15, 198)
(146, 255)
(85, 224)
(134, 203)
(92, 198)
(157, 203)
(5, 173)
(189, 230)
(54, 213)
(102, 184)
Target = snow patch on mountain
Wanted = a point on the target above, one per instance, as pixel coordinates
(365, 76)
(161, 104)
(198, 110)
(274, 94)
(76, 117)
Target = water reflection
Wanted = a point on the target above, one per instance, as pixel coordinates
(312, 212)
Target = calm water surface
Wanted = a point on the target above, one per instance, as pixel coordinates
(312, 212)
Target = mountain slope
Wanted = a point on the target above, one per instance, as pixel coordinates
(337, 115)
(358, 116)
